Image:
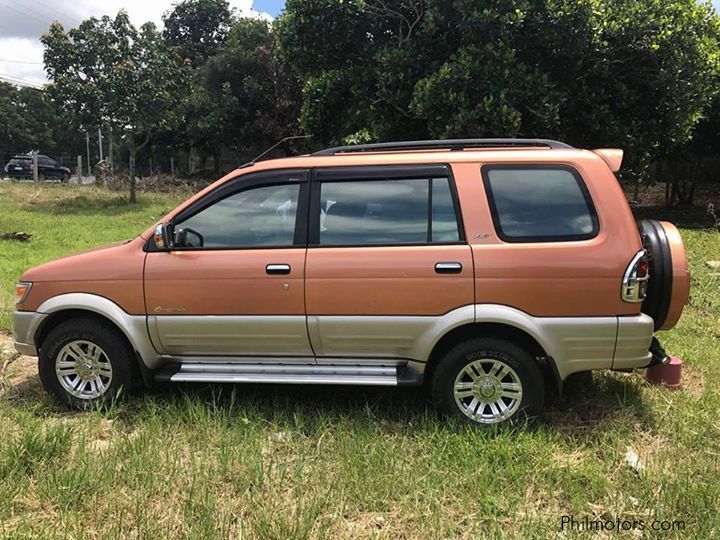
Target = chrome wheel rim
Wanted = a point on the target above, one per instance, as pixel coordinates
(83, 369)
(488, 391)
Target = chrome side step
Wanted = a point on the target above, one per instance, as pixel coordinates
(278, 373)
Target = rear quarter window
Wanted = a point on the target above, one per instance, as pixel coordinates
(539, 203)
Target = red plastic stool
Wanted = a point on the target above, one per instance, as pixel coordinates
(667, 375)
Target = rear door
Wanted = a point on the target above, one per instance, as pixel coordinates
(387, 257)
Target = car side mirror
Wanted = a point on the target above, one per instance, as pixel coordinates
(161, 237)
(188, 237)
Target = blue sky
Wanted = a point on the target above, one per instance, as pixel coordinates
(273, 7)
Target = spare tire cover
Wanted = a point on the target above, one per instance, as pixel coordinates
(659, 291)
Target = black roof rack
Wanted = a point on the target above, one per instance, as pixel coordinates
(452, 144)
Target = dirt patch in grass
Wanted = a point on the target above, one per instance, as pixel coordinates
(18, 373)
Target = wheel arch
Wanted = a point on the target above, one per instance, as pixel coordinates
(501, 330)
(56, 318)
(72, 305)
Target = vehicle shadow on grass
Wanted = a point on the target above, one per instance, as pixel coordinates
(589, 404)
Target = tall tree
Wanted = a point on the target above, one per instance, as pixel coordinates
(108, 72)
(253, 88)
(198, 27)
(631, 73)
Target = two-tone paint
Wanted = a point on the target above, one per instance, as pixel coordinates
(384, 305)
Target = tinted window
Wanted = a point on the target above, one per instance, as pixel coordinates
(539, 203)
(21, 162)
(444, 220)
(263, 216)
(371, 212)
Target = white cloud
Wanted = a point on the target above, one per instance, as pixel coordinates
(22, 23)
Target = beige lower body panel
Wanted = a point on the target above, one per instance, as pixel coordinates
(184, 335)
(633, 341)
(575, 343)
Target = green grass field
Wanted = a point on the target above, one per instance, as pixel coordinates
(307, 462)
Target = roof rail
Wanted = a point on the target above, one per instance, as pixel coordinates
(451, 144)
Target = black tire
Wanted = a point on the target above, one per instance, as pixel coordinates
(659, 290)
(65, 178)
(523, 367)
(125, 372)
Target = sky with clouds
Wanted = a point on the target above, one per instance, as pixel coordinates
(22, 22)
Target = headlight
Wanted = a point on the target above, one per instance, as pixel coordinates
(21, 291)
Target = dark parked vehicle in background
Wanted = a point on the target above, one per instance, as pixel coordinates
(20, 166)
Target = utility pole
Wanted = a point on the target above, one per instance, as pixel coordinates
(172, 167)
(100, 143)
(35, 165)
(79, 171)
(110, 153)
(87, 148)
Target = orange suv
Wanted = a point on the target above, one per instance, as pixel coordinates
(483, 267)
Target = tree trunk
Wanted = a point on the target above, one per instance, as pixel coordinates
(133, 152)
(133, 198)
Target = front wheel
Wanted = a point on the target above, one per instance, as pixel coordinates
(84, 362)
(488, 381)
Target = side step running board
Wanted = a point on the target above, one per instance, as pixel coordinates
(279, 373)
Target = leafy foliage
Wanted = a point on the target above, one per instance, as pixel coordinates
(631, 73)
(31, 119)
(251, 85)
(638, 74)
(198, 27)
(106, 70)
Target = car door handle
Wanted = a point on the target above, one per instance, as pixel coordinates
(448, 268)
(277, 269)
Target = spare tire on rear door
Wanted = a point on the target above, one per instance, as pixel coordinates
(669, 283)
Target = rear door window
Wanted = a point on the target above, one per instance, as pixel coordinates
(539, 203)
(387, 212)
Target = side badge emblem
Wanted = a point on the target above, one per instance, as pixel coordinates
(160, 309)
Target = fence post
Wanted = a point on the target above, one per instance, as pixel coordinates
(172, 166)
(100, 143)
(35, 165)
(87, 148)
(79, 170)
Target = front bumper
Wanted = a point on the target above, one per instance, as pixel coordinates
(25, 326)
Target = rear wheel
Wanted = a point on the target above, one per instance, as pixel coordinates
(84, 362)
(487, 381)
